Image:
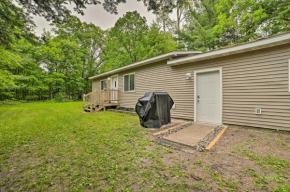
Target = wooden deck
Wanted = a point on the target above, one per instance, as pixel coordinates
(101, 99)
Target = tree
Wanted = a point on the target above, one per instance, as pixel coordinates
(63, 61)
(198, 32)
(217, 23)
(164, 8)
(132, 40)
(55, 10)
(30, 77)
(166, 23)
(181, 7)
(123, 43)
(244, 20)
(90, 38)
(15, 39)
(8, 61)
(14, 24)
(71, 56)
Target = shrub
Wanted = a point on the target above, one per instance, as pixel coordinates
(59, 97)
(12, 102)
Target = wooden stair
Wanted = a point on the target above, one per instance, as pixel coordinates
(95, 108)
(100, 100)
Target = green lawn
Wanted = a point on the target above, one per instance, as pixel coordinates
(57, 147)
(51, 146)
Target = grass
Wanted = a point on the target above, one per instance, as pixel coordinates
(57, 147)
(278, 167)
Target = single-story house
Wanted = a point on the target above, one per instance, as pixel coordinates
(247, 84)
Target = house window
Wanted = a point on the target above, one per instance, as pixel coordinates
(103, 84)
(129, 82)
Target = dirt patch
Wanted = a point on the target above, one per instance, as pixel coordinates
(244, 159)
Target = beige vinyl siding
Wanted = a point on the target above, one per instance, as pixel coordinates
(257, 79)
(97, 84)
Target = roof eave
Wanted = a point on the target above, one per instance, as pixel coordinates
(264, 43)
(147, 61)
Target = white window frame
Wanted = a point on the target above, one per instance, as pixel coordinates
(101, 84)
(289, 75)
(132, 91)
(220, 70)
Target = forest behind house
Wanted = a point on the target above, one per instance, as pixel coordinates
(58, 64)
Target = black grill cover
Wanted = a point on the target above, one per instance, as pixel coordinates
(154, 109)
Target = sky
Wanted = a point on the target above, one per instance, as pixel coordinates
(97, 15)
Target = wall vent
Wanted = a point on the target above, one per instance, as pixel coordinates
(258, 111)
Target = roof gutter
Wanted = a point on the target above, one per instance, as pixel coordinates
(147, 61)
(260, 44)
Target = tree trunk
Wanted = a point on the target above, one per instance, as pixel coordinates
(50, 90)
(164, 25)
(178, 18)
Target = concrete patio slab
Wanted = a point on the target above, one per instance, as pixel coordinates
(174, 122)
(191, 135)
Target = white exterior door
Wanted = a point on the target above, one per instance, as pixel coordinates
(208, 97)
(114, 86)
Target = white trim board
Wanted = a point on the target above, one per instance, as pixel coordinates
(220, 70)
(148, 61)
(250, 46)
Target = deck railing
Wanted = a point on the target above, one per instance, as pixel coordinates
(101, 98)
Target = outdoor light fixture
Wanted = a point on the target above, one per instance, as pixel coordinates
(109, 78)
(188, 76)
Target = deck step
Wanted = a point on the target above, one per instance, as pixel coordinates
(87, 110)
(94, 108)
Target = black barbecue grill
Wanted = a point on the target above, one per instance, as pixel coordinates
(154, 109)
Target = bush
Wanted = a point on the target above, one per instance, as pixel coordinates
(59, 97)
(12, 102)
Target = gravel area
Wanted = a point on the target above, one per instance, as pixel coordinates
(174, 122)
(208, 138)
(178, 128)
(202, 144)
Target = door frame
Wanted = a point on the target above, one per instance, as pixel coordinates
(117, 81)
(220, 70)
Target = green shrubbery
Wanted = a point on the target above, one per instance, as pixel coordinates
(59, 97)
(12, 102)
